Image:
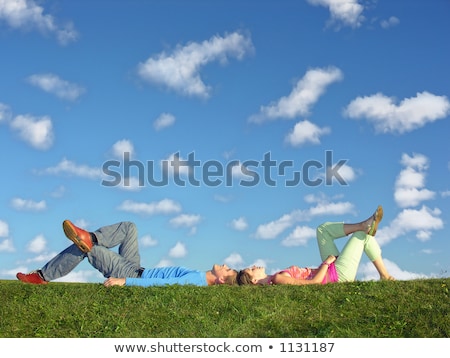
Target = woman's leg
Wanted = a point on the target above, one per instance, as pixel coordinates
(348, 261)
(350, 257)
(379, 265)
(330, 231)
(326, 233)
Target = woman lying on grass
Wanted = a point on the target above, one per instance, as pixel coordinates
(336, 266)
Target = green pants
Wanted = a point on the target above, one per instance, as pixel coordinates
(349, 258)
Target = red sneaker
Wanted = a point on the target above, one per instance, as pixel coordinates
(80, 237)
(32, 277)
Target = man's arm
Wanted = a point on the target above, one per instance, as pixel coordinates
(193, 278)
(114, 282)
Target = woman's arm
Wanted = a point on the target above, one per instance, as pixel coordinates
(281, 279)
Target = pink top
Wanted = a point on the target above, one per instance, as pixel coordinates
(306, 273)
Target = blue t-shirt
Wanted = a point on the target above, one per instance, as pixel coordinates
(172, 275)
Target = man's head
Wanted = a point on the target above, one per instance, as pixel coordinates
(224, 275)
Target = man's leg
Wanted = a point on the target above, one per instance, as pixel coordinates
(63, 263)
(123, 234)
(112, 264)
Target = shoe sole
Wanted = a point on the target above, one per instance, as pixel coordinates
(71, 234)
(378, 217)
(24, 278)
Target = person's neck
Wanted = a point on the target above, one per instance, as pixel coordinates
(265, 280)
(211, 279)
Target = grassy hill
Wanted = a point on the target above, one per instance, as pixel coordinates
(416, 308)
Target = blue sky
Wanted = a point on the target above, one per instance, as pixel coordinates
(280, 114)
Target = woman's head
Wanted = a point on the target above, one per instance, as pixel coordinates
(251, 276)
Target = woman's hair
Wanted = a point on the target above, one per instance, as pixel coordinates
(244, 278)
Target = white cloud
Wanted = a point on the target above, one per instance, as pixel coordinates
(392, 21)
(178, 251)
(131, 183)
(164, 263)
(239, 224)
(51, 83)
(263, 263)
(41, 258)
(121, 147)
(409, 186)
(4, 229)
(406, 197)
(306, 132)
(147, 241)
(27, 14)
(37, 245)
(185, 220)
(165, 206)
(81, 276)
(24, 204)
(238, 170)
(180, 70)
(82, 223)
(6, 245)
(66, 166)
(320, 198)
(329, 208)
(5, 113)
(175, 165)
(38, 132)
(222, 198)
(410, 114)
(421, 221)
(299, 236)
(274, 228)
(234, 260)
(305, 94)
(123, 150)
(163, 121)
(370, 273)
(419, 161)
(58, 192)
(345, 12)
(340, 173)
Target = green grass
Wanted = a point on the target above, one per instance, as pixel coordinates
(416, 308)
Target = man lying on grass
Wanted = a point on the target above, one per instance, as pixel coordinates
(122, 268)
